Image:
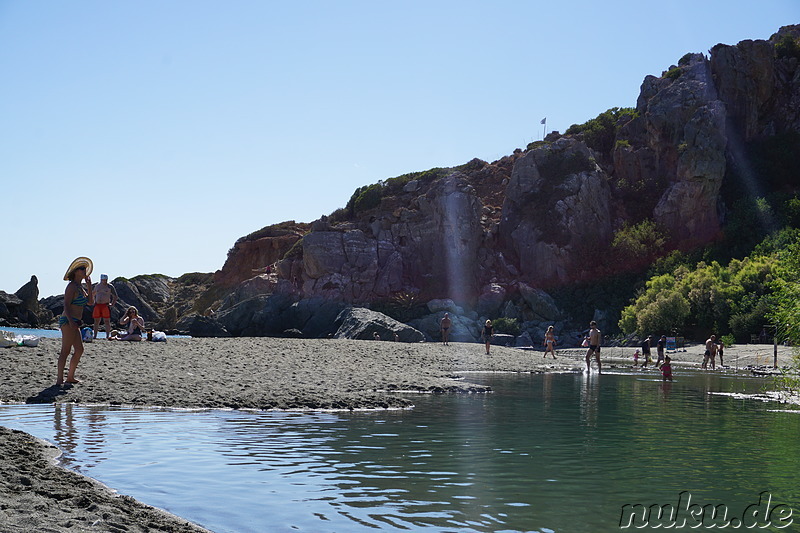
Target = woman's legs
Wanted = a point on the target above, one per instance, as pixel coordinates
(76, 358)
(70, 336)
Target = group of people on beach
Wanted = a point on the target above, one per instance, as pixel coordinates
(79, 293)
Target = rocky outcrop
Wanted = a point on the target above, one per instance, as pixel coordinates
(255, 254)
(557, 212)
(364, 324)
(685, 134)
(22, 308)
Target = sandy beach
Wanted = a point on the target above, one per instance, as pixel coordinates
(239, 373)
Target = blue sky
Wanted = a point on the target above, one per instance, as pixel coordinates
(151, 135)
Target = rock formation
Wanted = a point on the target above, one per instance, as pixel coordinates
(497, 239)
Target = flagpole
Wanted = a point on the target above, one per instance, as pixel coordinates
(544, 128)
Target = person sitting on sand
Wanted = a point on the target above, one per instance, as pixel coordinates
(134, 323)
(549, 342)
(666, 369)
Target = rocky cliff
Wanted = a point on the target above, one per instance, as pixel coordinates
(497, 239)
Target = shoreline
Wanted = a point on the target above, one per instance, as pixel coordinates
(241, 373)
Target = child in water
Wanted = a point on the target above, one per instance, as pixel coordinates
(666, 369)
(636, 358)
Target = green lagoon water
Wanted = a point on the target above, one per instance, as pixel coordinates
(546, 453)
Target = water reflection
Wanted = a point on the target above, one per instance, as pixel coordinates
(67, 434)
(516, 460)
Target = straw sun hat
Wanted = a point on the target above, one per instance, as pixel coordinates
(79, 262)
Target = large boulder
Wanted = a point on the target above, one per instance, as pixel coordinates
(238, 320)
(361, 323)
(542, 305)
(129, 294)
(153, 288)
(491, 299)
(29, 294)
(203, 326)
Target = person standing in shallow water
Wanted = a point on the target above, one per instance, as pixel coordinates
(75, 299)
(646, 351)
(594, 347)
(660, 346)
(666, 369)
(444, 325)
(550, 342)
(487, 334)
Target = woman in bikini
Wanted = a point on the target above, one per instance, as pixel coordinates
(135, 325)
(550, 342)
(75, 299)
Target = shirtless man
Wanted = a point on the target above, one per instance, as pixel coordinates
(594, 347)
(662, 343)
(105, 296)
(445, 327)
(646, 350)
(711, 353)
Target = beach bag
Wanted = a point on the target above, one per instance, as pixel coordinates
(31, 341)
(585, 343)
(87, 334)
(7, 339)
(159, 336)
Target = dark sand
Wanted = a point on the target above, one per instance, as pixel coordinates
(257, 373)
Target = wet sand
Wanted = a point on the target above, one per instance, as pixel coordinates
(253, 373)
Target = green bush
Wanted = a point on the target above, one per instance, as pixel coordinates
(634, 247)
(600, 132)
(674, 73)
(509, 326)
(787, 46)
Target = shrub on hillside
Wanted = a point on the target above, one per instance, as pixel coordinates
(509, 326)
(600, 132)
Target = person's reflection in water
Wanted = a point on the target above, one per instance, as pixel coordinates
(65, 434)
(95, 436)
(666, 388)
(590, 387)
(547, 391)
(66, 421)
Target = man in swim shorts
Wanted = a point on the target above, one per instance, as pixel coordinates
(646, 350)
(105, 296)
(444, 325)
(660, 346)
(594, 347)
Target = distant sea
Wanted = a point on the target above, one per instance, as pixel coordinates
(19, 332)
(56, 333)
